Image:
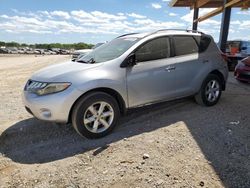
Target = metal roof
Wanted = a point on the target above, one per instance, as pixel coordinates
(218, 4)
(209, 3)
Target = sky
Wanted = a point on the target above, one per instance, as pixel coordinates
(93, 21)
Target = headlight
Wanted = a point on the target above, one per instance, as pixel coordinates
(43, 88)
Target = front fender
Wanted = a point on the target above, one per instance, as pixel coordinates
(118, 86)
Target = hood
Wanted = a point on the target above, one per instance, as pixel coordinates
(61, 72)
(246, 61)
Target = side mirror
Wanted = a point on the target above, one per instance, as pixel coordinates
(244, 48)
(129, 61)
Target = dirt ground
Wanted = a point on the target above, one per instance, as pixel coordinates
(174, 144)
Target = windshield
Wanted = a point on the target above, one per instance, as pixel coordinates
(109, 51)
(97, 45)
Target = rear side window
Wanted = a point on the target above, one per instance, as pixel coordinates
(203, 42)
(155, 49)
(185, 45)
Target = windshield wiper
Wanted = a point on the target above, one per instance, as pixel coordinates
(81, 61)
(91, 61)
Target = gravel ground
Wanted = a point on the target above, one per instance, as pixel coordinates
(173, 144)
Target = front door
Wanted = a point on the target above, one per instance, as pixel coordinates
(152, 78)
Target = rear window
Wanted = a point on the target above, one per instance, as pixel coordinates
(185, 45)
(203, 42)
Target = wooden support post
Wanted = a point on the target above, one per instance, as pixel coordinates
(195, 17)
(225, 23)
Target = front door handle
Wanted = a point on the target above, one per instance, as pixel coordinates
(170, 68)
(205, 61)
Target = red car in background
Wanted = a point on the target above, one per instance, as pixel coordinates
(242, 70)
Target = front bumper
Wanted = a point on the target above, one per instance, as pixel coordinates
(53, 107)
(242, 75)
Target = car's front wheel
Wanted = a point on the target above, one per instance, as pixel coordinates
(210, 91)
(95, 115)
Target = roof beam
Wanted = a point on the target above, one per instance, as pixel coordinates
(232, 3)
(173, 2)
(200, 3)
(219, 10)
(209, 4)
(210, 14)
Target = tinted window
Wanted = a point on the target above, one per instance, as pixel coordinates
(185, 45)
(203, 42)
(155, 49)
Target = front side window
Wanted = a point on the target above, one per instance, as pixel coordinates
(185, 45)
(155, 49)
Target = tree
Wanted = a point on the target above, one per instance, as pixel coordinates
(76, 46)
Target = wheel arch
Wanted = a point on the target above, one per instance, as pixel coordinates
(117, 96)
(221, 76)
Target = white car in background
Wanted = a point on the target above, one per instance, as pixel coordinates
(80, 53)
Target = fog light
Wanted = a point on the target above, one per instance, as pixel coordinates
(45, 113)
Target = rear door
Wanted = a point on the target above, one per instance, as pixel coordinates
(192, 65)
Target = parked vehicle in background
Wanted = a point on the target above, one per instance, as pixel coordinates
(77, 53)
(79, 57)
(242, 70)
(80, 53)
(3, 51)
(29, 51)
(64, 52)
(21, 51)
(36, 51)
(130, 71)
(237, 50)
(56, 50)
(97, 45)
(49, 52)
(13, 50)
(238, 47)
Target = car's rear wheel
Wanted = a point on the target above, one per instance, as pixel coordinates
(210, 91)
(95, 115)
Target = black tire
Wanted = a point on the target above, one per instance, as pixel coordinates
(202, 98)
(80, 110)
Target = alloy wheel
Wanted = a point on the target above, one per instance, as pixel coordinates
(98, 117)
(212, 91)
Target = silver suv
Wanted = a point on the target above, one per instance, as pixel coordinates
(130, 71)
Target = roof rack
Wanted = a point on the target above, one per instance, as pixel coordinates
(161, 30)
(187, 30)
(127, 35)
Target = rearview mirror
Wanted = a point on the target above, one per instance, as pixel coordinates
(129, 61)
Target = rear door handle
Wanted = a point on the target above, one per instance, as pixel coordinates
(170, 68)
(205, 61)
